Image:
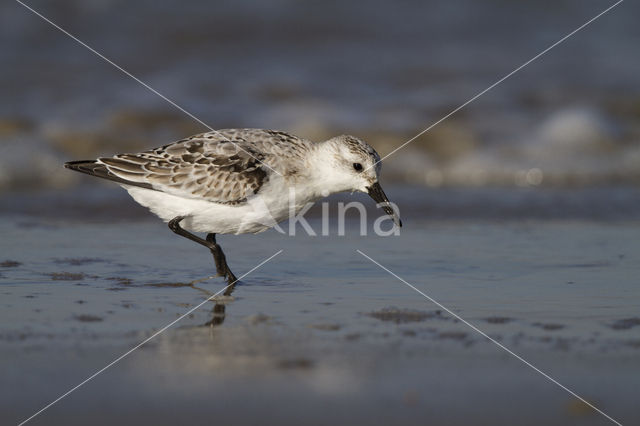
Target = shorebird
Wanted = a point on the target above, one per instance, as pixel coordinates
(236, 181)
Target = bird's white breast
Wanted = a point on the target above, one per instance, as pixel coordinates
(275, 202)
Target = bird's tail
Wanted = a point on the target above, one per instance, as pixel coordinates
(98, 169)
(84, 166)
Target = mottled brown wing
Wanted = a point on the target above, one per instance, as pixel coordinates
(202, 167)
(282, 150)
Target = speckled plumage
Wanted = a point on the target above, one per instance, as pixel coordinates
(238, 180)
(208, 167)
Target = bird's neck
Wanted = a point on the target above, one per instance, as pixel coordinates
(322, 177)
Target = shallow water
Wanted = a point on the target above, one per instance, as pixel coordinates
(320, 334)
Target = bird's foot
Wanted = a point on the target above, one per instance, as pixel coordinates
(231, 282)
(231, 279)
(224, 271)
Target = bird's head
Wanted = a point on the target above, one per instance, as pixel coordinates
(353, 165)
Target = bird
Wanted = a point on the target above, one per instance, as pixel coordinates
(237, 181)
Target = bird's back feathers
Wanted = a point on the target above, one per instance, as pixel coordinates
(206, 166)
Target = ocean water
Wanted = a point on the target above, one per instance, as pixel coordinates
(378, 70)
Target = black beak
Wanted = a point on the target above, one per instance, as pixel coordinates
(375, 191)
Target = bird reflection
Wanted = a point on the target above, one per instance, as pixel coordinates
(218, 312)
(218, 315)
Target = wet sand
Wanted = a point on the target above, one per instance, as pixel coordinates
(320, 334)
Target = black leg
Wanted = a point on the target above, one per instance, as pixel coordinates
(218, 255)
(221, 263)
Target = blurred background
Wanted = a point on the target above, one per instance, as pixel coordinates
(384, 71)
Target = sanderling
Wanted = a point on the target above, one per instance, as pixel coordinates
(237, 181)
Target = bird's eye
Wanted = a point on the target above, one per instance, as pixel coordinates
(357, 167)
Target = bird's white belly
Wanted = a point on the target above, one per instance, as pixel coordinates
(260, 213)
